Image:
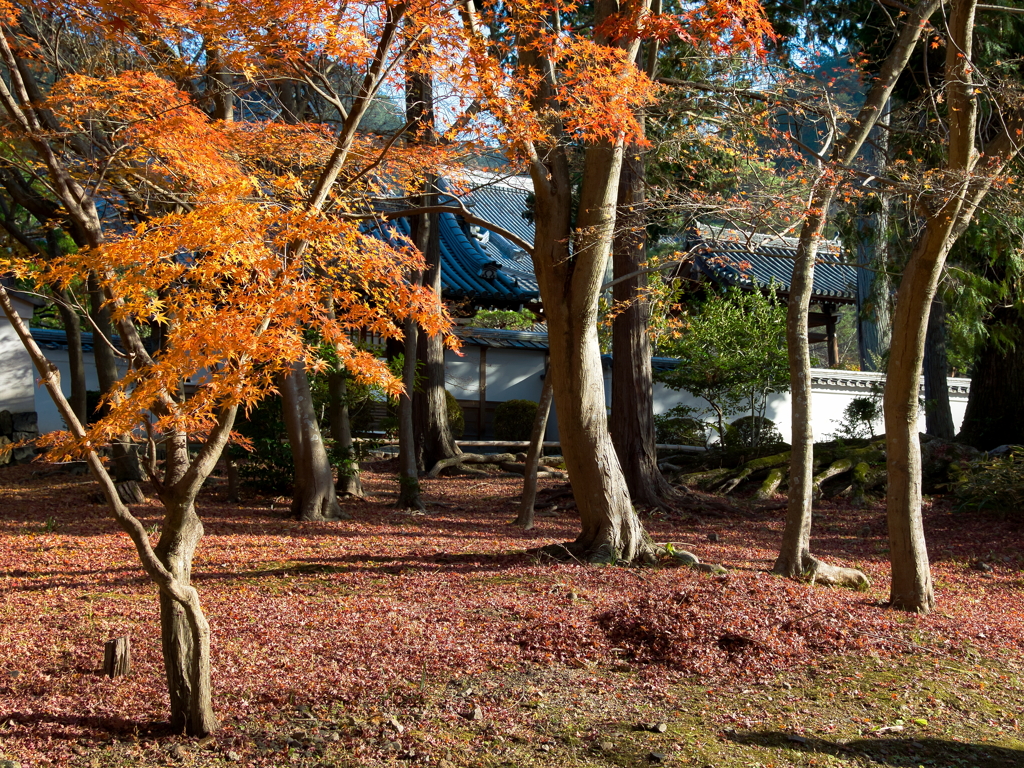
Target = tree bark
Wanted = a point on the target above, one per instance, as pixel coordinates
(185, 644)
(349, 481)
(434, 440)
(314, 497)
(938, 416)
(433, 435)
(124, 458)
(191, 703)
(570, 257)
(632, 416)
(117, 657)
(995, 407)
(408, 473)
(795, 558)
(540, 424)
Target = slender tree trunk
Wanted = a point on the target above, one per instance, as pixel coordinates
(349, 481)
(185, 638)
(76, 358)
(189, 658)
(938, 416)
(995, 407)
(540, 425)
(127, 469)
(632, 417)
(106, 362)
(314, 497)
(434, 439)
(794, 558)
(408, 473)
(911, 575)
(951, 210)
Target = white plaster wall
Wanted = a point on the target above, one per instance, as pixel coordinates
(831, 392)
(48, 417)
(462, 372)
(514, 374)
(16, 372)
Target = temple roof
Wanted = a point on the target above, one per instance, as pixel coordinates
(743, 259)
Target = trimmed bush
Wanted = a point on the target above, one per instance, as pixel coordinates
(456, 419)
(995, 484)
(513, 420)
(753, 432)
(678, 426)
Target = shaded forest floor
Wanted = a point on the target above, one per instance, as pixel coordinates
(435, 640)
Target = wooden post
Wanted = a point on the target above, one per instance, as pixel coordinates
(831, 313)
(117, 657)
(233, 480)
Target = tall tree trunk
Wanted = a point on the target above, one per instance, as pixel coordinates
(632, 416)
(795, 559)
(938, 416)
(611, 529)
(408, 472)
(76, 358)
(434, 439)
(540, 425)
(349, 481)
(874, 286)
(570, 257)
(314, 497)
(995, 407)
(433, 435)
(125, 459)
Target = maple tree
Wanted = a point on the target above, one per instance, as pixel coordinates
(795, 559)
(240, 244)
(568, 108)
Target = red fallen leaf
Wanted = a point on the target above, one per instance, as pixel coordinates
(298, 609)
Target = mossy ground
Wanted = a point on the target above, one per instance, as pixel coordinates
(907, 711)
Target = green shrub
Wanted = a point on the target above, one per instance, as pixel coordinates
(859, 419)
(513, 420)
(993, 484)
(456, 419)
(752, 432)
(678, 426)
(509, 319)
(269, 467)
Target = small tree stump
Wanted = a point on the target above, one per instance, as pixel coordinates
(117, 657)
(233, 480)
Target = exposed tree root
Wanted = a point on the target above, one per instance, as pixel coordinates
(819, 572)
(837, 467)
(471, 458)
(771, 484)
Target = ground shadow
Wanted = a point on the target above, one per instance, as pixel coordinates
(99, 727)
(903, 751)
